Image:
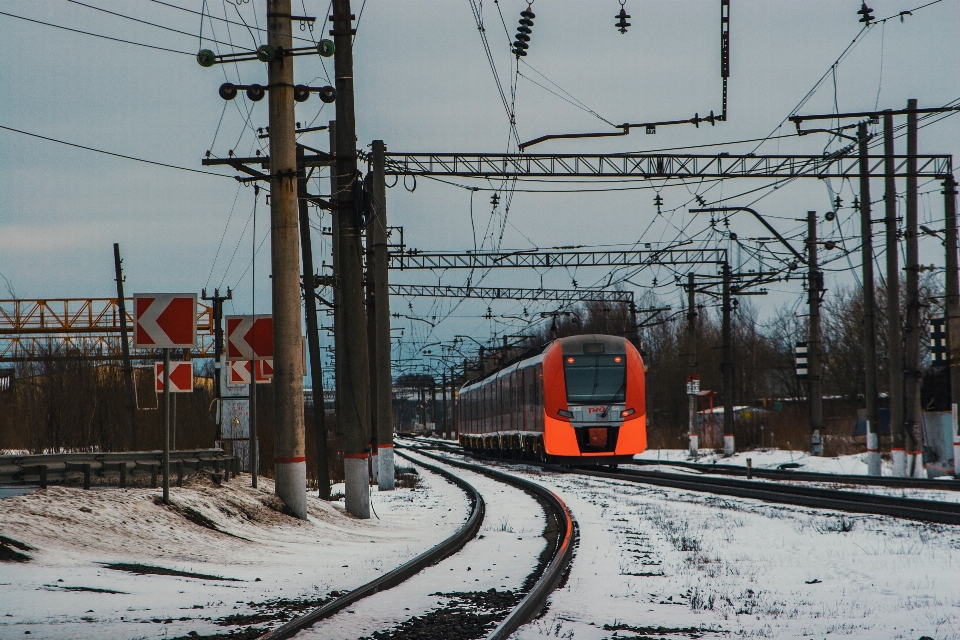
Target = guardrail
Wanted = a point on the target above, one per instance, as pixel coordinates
(59, 468)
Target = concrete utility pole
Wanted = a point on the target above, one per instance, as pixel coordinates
(953, 305)
(729, 446)
(335, 267)
(911, 332)
(894, 336)
(313, 337)
(165, 461)
(814, 378)
(371, 302)
(290, 462)
(692, 390)
(869, 304)
(382, 378)
(354, 382)
(131, 401)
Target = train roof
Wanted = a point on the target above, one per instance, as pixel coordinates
(571, 345)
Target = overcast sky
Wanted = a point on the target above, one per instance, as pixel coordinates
(424, 84)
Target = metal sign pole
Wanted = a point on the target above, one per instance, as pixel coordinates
(166, 426)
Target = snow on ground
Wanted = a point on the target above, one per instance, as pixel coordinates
(504, 553)
(855, 464)
(256, 554)
(667, 563)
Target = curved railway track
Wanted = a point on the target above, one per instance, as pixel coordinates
(777, 492)
(561, 542)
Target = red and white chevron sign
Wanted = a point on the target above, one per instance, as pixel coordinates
(249, 337)
(181, 377)
(165, 320)
(239, 372)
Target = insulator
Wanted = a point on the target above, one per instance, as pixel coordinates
(866, 14)
(622, 23)
(326, 48)
(733, 236)
(526, 13)
(524, 22)
(520, 45)
(301, 93)
(228, 91)
(256, 92)
(523, 37)
(830, 216)
(206, 58)
(266, 53)
(522, 29)
(518, 52)
(327, 94)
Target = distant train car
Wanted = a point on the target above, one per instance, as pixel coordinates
(582, 400)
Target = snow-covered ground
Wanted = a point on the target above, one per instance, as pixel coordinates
(254, 556)
(666, 563)
(503, 554)
(770, 459)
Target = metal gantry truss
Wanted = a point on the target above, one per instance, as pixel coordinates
(87, 328)
(546, 259)
(649, 165)
(513, 293)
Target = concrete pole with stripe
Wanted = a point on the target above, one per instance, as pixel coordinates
(898, 452)
(353, 384)
(290, 462)
(382, 377)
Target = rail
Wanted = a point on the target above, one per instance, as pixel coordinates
(535, 599)
(433, 555)
(809, 476)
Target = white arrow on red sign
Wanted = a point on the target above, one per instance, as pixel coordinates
(239, 372)
(249, 337)
(165, 320)
(181, 377)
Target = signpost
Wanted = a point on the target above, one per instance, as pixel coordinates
(250, 341)
(181, 377)
(165, 321)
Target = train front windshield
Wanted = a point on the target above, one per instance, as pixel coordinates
(595, 379)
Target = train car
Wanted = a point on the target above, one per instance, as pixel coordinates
(581, 400)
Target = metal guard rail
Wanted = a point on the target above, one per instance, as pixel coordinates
(61, 467)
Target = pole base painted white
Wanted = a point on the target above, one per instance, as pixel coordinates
(728, 448)
(918, 470)
(816, 443)
(694, 445)
(374, 468)
(899, 459)
(909, 471)
(956, 458)
(386, 479)
(873, 454)
(291, 486)
(356, 479)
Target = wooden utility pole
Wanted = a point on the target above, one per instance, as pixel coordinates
(729, 445)
(953, 305)
(354, 367)
(912, 332)
(894, 323)
(382, 378)
(290, 462)
(131, 401)
(313, 336)
(869, 304)
(814, 378)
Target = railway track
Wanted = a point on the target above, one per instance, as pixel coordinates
(808, 476)
(521, 608)
(778, 492)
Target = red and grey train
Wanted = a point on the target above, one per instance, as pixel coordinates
(581, 400)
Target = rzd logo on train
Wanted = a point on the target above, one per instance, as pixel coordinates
(596, 410)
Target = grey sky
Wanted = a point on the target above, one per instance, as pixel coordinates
(424, 84)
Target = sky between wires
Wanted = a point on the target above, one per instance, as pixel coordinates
(424, 83)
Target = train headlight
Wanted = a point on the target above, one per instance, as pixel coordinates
(627, 412)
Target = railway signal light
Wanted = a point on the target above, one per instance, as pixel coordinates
(866, 14)
(622, 23)
(520, 45)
